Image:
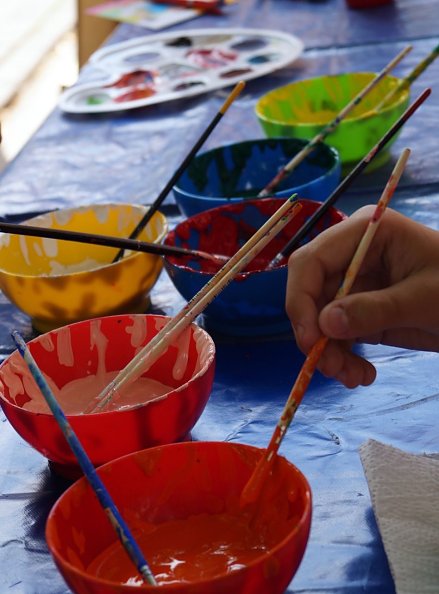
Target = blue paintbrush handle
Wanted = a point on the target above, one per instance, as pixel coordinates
(116, 520)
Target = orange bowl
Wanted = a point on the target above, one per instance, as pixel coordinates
(79, 360)
(182, 504)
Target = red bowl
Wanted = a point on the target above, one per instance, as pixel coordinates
(85, 353)
(182, 502)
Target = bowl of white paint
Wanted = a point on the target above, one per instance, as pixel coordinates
(79, 360)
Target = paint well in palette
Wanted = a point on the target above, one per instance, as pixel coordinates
(249, 44)
(97, 99)
(211, 58)
(180, 42)
(141, 58)
(166, 66)
(135, 95)
(187, 85)
(134, 78)
(235, 73)
(263, 58)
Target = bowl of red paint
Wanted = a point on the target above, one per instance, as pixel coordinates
(234, 172)
(182, 504)
(79, 360)
(254, 302)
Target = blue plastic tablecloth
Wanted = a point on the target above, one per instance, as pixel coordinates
(72, 161)
(119, 158)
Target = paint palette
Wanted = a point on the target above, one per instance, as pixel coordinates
(167, 66)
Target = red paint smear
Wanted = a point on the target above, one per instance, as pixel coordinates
(219, 233)
(135, 94)
(135, 78)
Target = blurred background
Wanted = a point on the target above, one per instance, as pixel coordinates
(42, 45)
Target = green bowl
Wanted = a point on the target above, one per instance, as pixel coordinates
(301, 109)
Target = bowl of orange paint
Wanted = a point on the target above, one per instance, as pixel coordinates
(79, 360)
(59, 282)
(254, 302)
(182, 504)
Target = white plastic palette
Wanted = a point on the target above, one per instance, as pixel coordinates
(167, 66)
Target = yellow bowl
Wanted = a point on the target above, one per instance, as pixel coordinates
(60, 282)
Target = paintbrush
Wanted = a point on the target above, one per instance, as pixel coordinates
(254, 485)
(406, 82)
(310, 146)
(294, 242)
(109, 507)
(150, 352)
(109, 241)
(179, 171)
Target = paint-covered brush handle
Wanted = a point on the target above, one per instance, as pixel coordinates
(110, 509)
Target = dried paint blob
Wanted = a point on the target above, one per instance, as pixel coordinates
(180, 42)
(136, 94)
(263, 58)
(97, 99)
(214, 39)
(250, 45)
(233, 73)
(211, 58)
(184, 86)
(134, 78)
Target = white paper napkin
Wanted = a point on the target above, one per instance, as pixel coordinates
(405, 496)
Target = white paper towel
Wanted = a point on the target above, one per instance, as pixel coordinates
(405, 496)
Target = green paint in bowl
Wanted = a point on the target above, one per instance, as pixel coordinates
(301, 109)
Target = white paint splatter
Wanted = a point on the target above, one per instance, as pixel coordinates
(23, 246)
(64, 347)
(50, 247)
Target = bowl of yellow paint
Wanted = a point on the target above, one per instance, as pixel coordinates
(59, 282)
(182, 504)
(302, 109)
(79, 360)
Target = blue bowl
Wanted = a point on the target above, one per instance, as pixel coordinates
(254, 302)
(235, 171)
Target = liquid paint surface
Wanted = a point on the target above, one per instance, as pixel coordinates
(194, 549)
(226, 231)
(76, 395)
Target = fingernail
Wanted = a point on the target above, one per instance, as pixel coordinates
(299, 330)
(337, 321)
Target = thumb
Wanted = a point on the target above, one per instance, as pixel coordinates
(369, 313)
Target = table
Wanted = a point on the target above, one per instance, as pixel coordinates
(83, 159)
